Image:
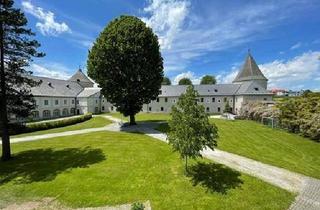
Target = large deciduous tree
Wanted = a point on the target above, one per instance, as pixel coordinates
(208, 80)
(126, 62)
(185, 81)
(17, 50)
(166, 81)
(190, 129)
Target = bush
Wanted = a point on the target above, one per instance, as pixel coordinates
(137, 206)
(16, 128)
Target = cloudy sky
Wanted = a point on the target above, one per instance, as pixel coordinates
(197, 37)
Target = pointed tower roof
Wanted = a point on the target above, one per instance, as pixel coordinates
(81, 78)
(250, 71)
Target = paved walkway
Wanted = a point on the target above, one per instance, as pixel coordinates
(307, 188)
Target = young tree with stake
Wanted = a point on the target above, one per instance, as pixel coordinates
(190, 129)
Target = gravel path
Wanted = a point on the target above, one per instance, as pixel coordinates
(308, 189)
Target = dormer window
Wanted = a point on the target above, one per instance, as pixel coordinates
(49, 83)
(256, 89)
(215, 90)
(68, 86)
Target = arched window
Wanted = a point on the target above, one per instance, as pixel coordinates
(35, 114)
(46, 114)
(72, 111)
(65, 112)
(56, 113)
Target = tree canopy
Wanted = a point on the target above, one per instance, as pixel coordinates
(126, 62)
(166, 81)
(17, 50)
(185, 81)
(208, 80)
(190, 129)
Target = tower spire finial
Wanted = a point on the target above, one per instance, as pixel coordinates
(80, 68)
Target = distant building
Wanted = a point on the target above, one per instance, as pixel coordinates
(77, 95)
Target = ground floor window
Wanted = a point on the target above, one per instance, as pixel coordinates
(219, 109)
(150, 109)
(72, 111)
(46, 114)
(35, 114)
(162, 109)
(56, 113)
(208, 109)
(96, 109)
(65, 112)
(102, 108)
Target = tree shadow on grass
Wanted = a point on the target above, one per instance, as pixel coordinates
(214, 177)
(45, 164)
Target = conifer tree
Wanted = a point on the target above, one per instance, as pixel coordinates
(16, 51)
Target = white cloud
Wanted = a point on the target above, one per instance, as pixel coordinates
(295, 46)
(166, 19)
(54, 70)
(300, 69)
(293, 73)
(47, 24)
(191, 75)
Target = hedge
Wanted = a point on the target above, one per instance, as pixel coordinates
(16, 128)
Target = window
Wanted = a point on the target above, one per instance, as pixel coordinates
(231, 100)
(65, 102)
(157, 99)
(111, 108)
(150, 109)
(215, 90)
(208, 109)
(35, 114)
(213, 99)
(72, 111)
(56, 102)
(96, 109)
(219, 109)
(162, 109)
(166, 100)
(77, 101)
(65, 112)
(160, 92)
(102, 101)
(46, 114)
(219, 101)
(96, 101)
(201, 100)
(265, 99)
(46, 102)
(256, 89)
(174, 101)
(56, 113)
(102, 108)
(72, 101)
(225, 100)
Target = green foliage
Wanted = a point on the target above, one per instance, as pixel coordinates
(185, 81)
(166, 81)
(208, 80)
(37, 126)
(126, 62)
(137, 206)
(190, 130)
(227, 108)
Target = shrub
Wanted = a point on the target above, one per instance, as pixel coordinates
(16, 128)
(137, 206)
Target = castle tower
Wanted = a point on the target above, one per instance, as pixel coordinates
(251, 72)
(82, 79)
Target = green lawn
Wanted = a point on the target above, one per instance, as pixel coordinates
(144, 116)
(107, 168)
(271, 146)
(94, 122)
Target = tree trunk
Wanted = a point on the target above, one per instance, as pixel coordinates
(186, 164)
(6, 151)
(132, 119)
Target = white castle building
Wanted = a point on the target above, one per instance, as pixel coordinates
(77, 95)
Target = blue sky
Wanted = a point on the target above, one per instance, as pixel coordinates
(197, 37)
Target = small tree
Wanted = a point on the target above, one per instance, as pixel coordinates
(166, 81)
(16, 51)
(190, 129)
(126, 62)
(227, 108)
(185, 81)
(208, 80)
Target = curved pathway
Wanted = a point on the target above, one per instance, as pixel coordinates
(308, 188)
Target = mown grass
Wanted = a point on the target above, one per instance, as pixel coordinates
(94, 122)
(272, 146)
(107, 168)
(151, 117)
